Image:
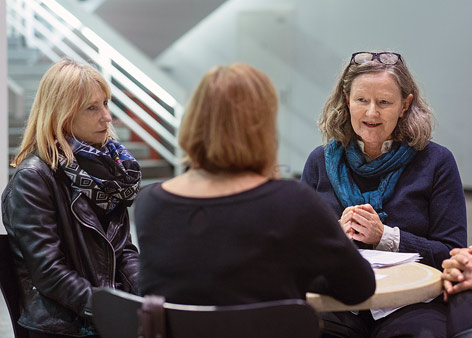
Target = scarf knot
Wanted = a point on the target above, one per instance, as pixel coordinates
(108, 176)
(388, 167)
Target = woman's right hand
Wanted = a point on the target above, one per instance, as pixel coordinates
(346, 221)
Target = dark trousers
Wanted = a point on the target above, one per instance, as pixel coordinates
(459, 314)
(422, 320)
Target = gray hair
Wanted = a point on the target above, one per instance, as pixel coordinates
(414, 128)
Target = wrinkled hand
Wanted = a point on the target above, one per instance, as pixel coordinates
(367, 224)
(362, 223)
(457, 273)
(346, 221)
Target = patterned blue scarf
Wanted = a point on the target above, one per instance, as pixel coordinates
(388, 167)
(108, 176)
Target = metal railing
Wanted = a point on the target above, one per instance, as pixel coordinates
(138, 101)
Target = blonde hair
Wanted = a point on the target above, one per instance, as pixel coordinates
(65, 89)
(230, 122)
(414, 128)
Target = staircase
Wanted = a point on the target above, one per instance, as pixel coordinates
(26, 66)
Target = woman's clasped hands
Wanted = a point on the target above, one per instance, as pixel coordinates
(362, 223)
(457, 273)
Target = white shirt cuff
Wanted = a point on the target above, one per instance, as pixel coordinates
(390, 240)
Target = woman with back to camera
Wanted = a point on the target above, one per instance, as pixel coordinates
(65, 208)
(391, 187)
(226, 233)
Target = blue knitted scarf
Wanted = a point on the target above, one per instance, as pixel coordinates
(388, 167)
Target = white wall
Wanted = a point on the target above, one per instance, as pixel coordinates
(303, 45)
(3, 104)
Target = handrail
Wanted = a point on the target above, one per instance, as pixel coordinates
(138, 101)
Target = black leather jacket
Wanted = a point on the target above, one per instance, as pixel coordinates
(61, 250)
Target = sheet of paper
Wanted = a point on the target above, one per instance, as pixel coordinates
(379, 259)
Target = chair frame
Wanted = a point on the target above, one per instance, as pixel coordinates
(117, 313)
(9, 284)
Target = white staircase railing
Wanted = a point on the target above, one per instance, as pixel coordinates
(138, 101)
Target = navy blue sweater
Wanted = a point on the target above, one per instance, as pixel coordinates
(428, 204)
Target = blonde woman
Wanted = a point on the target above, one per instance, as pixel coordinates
(225, 232)
(65, 208)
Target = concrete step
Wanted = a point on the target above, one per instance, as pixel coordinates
(122, 132)
(156, 169)
(24, 70)
(29, 86)
(12, 151)
(16, 123)
(147, 181)
(15, 41)
(15, 135)
(23, 55)
(139, 150)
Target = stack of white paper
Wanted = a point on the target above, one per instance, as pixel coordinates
(380, 259)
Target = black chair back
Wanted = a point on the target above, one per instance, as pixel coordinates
(10, 286)
(118, 314)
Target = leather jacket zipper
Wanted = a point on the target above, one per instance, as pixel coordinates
(101, 234)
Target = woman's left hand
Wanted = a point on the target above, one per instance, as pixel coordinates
(457, 273)
(367, 224)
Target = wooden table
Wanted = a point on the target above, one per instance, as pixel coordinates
(397, 285)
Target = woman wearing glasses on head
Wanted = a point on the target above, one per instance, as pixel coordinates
(392, 188)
